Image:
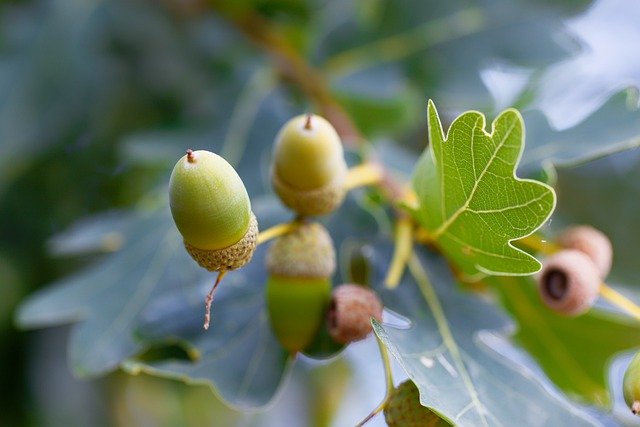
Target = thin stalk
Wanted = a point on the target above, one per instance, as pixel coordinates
(277, 231)
(363, 175)
(402, 252)
(619, 300)
(388, 376)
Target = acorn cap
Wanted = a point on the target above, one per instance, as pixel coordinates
(592, 242)
(569, 282)
(319, 201)
(403, 409)
(231, 257)
(350, 312)
(306, 252)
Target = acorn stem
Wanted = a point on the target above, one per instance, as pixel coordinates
(191, 158)
(277, 231)
(388, 376)
(363, 175)
(402, 252)
(616, 298)
(209, 299)
(307, 122)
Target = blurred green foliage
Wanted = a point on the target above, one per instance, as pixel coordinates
(98, 99)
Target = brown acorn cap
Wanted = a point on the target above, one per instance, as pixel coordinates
(569, 282)
(306, 252)
(350, 312)
(231, 257)
(592, 242)
(318, 201)
(403, 409)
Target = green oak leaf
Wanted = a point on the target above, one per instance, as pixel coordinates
(455, 347)
(471, 202)
(564, 346)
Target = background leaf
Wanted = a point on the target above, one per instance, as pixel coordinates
(446, 351)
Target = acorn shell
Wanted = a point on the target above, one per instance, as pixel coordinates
(296, 308)
(631, 385)
(592, 242)
(309, 169)
(209, 202)
(569, 282)
(403, 409)
(231, 257)
(350, 312)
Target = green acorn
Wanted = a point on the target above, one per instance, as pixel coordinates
(405, 410)
(300, 266)
(212, 211)
(309, 169)
(631, 385)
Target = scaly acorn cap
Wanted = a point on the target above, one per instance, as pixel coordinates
(231, 257)
(592, 242)
(631, 385)
(309, 169)
(569, 282)
(405, 410)
(350, 312)
(211, 209)
(306, 252)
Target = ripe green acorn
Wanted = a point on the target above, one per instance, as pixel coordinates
(592, 242)
(631, 385)
(569, 282)
(309, 168)
(300, 266)
(405, 410)
(212, 211)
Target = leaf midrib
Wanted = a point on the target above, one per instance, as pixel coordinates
(446, 224)
(416, 269)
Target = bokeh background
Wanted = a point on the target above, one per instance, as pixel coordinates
(99, 98)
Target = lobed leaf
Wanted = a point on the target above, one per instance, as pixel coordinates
(471, 202)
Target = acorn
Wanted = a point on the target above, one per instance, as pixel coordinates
(569, 282)
(350, 313)
(403, 409)
(631, 385)
(298, 291)
(309, 169)
(592, 242)
(211, 209)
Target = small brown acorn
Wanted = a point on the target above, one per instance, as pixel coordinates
(350, 312)
(405, 410)
(569, 282)
(592, 242)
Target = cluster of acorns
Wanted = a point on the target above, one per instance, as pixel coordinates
(212, 211)
(570, 280)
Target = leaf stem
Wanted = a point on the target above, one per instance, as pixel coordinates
(277, 231)
(364, 174)
(616, 298)
(388, 376)
(402, 252)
